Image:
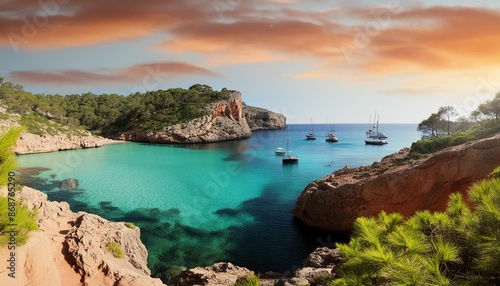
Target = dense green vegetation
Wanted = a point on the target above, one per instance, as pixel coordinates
(440, 132)
(110, 113)
(460, 246)
(479, 130)
(24, 221)
(23, 218)
(7, 159)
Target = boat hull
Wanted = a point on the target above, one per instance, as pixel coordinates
(290, 160)
(376, 142)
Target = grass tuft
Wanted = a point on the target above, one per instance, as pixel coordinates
(252, 280)
(115, 249)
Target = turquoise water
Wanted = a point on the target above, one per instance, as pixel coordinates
(198, 204)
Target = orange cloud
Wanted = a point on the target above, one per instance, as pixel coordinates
(54, 24)
(370, 40)
(140, 74)
(449, 39)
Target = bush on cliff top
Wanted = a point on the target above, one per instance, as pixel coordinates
(479, 131)
(460, 246)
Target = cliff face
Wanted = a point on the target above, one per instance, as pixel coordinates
(31, 143)
(395, 184)
(70, 249)
(263, 119)
(224, 122)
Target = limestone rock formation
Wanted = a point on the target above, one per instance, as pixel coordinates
(219, 274)
(30, 143)
(263, 119)
(396, 184)
(70, 249)
(225, 121)
(320, 262)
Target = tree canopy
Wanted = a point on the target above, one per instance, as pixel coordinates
(109, 113)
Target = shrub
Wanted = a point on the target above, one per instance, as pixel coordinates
(7, 159)
(322, 280)
(252, 280)
(24, 221)
(460, 246)
(129, 224)
(115, 249)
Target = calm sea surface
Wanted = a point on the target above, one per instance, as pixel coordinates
(198, 204)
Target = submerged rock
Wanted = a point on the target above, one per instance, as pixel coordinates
(68, 185)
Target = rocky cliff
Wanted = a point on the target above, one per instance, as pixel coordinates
(56, 137)
(396, 184)
(225, 121)
(263, 119)
(30, 143)
(71, 249)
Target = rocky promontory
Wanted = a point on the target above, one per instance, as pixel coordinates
(399, 183)
(263, 119)
(72, 249)
(224, 121)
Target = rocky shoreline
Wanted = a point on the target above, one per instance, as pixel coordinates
(399, 183)
(30, 143)
(225, 121)
(71, 249)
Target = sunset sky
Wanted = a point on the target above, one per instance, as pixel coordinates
(322, 60)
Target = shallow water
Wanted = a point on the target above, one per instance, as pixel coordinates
(198, 204)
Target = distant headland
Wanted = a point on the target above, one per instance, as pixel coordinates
(198, 114)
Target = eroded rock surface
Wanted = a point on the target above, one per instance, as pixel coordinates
(219, 274)
(30, 143)
(263, 119)
(71, 249)
(396, 184)
(224, 122)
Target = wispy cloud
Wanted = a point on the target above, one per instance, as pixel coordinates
(411, 39)
(129, 75)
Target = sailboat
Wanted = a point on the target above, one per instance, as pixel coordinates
(289, 157)
(312, 135)
(330, 136)
(373, 136)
